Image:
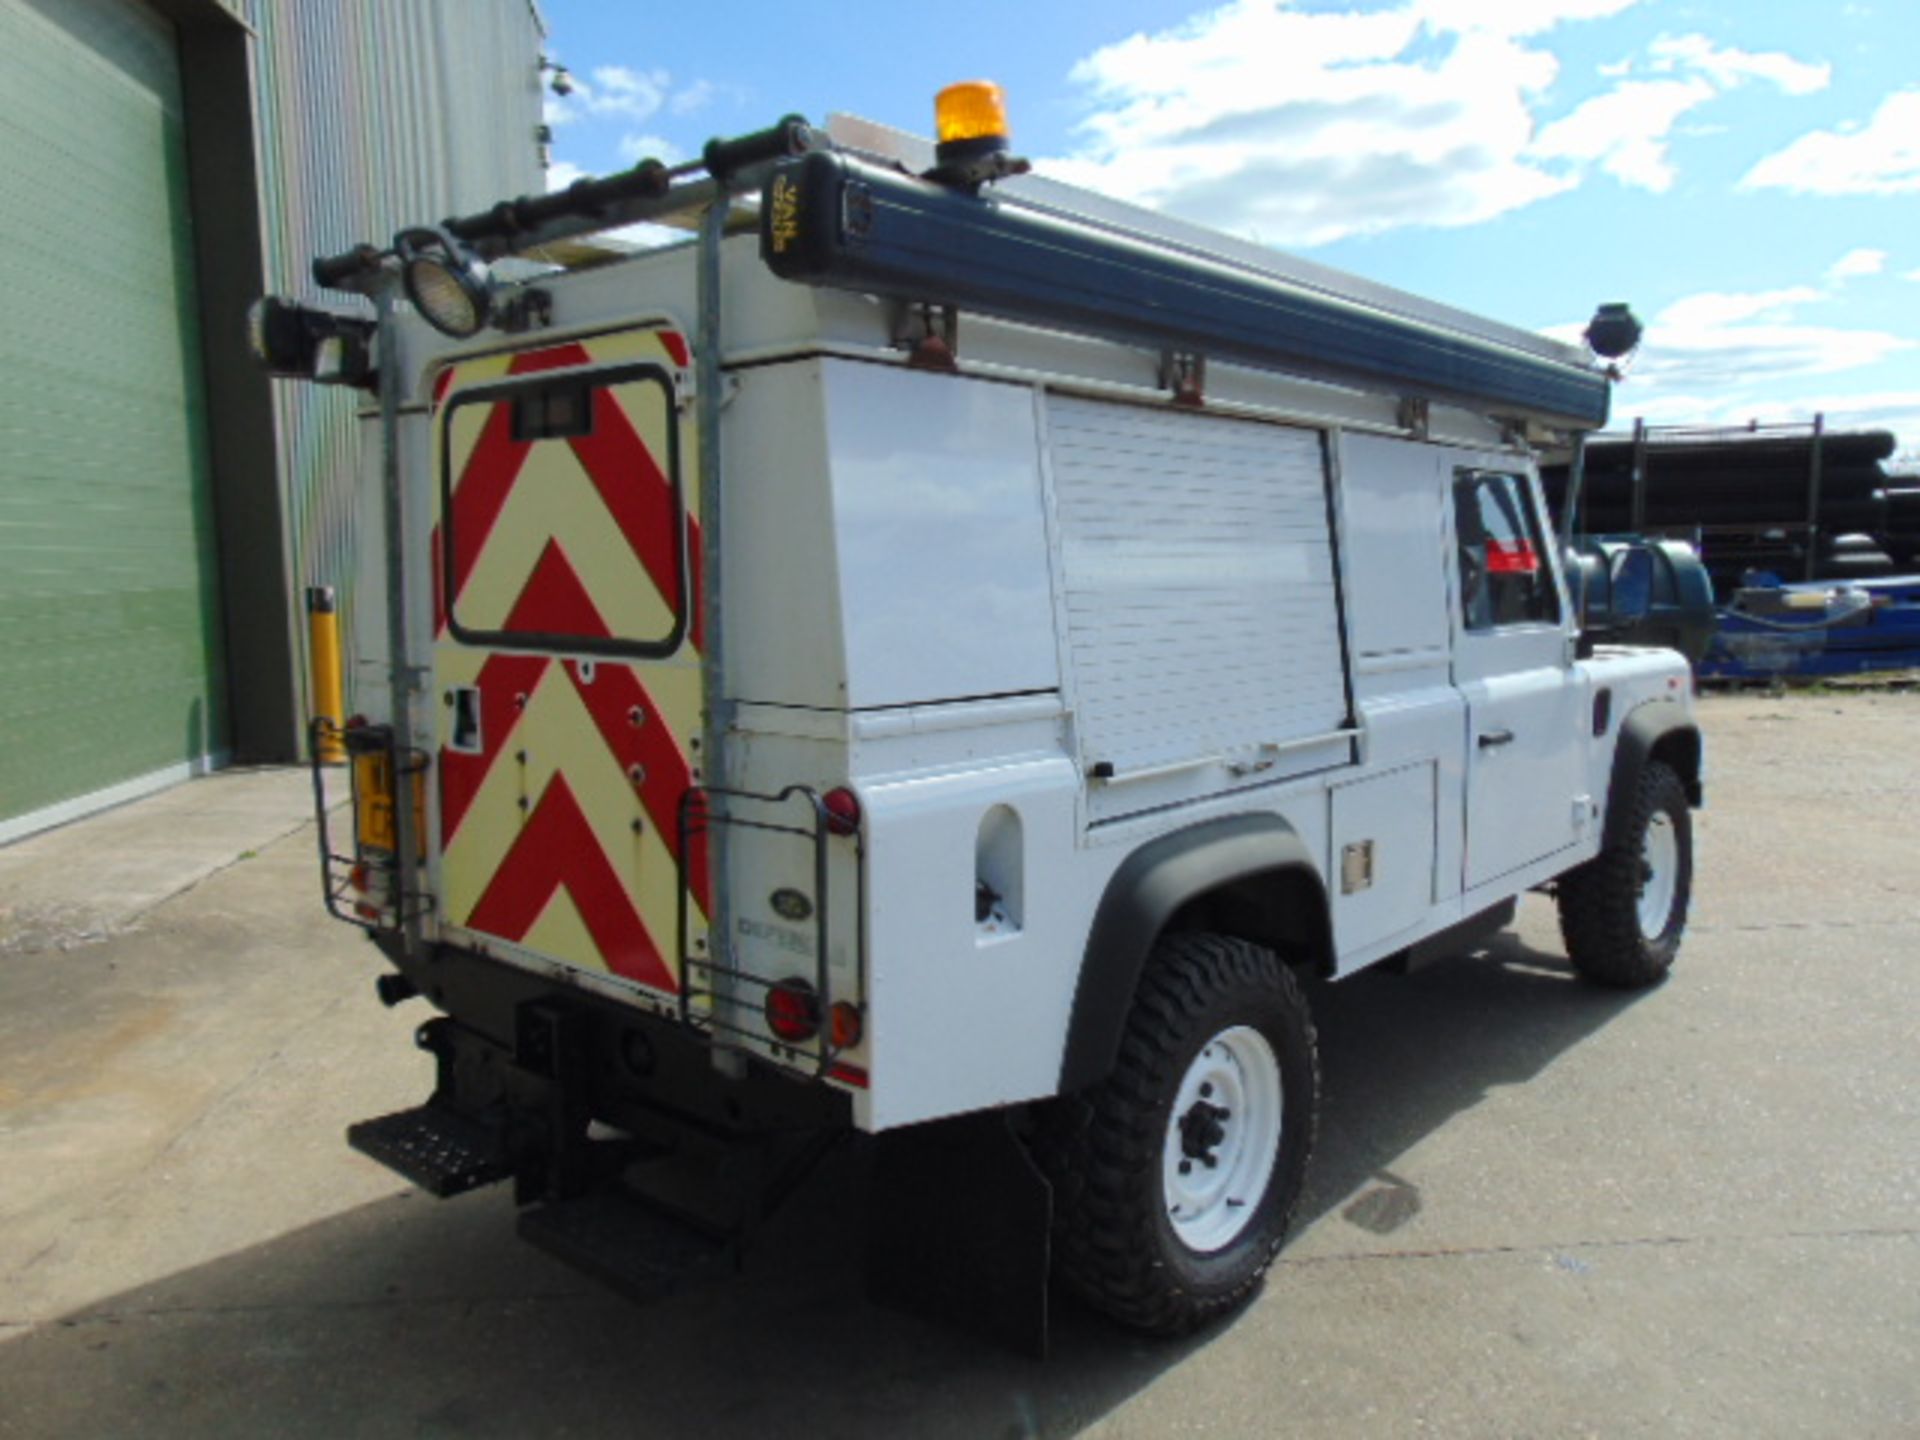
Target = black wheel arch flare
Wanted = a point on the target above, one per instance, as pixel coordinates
(1660, 730)
(1237, 860)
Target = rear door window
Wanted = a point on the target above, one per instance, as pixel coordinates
(563, 524)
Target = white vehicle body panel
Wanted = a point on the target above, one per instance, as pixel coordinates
(960, 594)
(940, 534)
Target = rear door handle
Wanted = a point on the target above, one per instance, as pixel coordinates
(1491, 738)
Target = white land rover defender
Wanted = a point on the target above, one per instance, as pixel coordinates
(936, 655)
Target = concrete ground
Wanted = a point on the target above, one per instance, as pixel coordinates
(1537, 1209)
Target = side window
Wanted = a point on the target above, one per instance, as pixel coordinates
(1504, 575)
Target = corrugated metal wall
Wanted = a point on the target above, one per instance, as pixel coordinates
(374, 114)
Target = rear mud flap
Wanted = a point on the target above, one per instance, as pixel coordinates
(960, 1229)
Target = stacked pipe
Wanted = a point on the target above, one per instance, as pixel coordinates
(1901, 538)
(1756, 499)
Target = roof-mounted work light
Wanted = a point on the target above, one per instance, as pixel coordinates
(1614, 332)
(303, 342)
(448, 284)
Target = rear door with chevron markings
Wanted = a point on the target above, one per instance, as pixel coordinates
(567, 648)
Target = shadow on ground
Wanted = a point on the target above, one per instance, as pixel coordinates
(1401, 1054)
(416, 1317)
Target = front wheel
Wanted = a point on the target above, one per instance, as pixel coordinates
(1176, 1177)
(1622, 913)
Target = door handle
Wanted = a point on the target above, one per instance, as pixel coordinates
(1491, 738)
(463, 737)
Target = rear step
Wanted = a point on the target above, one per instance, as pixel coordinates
(676, 1219)
(442, 1152)
(627, 1244)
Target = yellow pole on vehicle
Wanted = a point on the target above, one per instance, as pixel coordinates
(329, 686)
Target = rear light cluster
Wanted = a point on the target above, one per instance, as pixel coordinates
(846, 1024)
(361, 880)
(793, 1011)
(793, 1015)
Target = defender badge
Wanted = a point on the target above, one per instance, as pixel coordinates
(790, 904)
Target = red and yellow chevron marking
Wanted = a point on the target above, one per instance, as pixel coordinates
(617, 459)
(557, 852)
(562, 834)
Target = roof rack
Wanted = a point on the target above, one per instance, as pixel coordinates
(1037, 252)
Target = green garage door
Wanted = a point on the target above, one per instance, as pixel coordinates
(109, 629)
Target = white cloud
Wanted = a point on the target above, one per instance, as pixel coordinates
(696, 96)
(1716, 309)
(1514, 18)
(621, 90)
(1881, 157)
(613, 93)
(1727, 67)
(563, 173)
(1857, 262)
(1709, 350)
(1625, 130)
(1303, 126)
(1911, 275)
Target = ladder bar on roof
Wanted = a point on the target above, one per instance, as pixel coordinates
(851, 225)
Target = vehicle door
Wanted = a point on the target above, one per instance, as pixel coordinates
(1513, 661)
(567, 657)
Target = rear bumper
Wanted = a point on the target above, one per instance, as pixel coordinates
(596, 1058)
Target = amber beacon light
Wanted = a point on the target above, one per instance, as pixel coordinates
(971, 121)
(970, 113)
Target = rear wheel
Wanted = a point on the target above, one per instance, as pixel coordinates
(1176, 1176)
(1622, 913)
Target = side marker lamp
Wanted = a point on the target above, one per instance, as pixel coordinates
(451, 287)
(840, 809)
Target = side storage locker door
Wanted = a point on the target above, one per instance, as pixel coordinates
(567, 657)
(1201, 606)
(1398, 833)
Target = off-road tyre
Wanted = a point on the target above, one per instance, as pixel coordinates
(1104, 1148)
(1606, 937)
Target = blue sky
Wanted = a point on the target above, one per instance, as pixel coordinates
(1745, 172)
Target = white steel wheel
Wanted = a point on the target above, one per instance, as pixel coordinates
(1217, 1064)
(1223, 1136)
(1659, 875)
(1623, 912)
